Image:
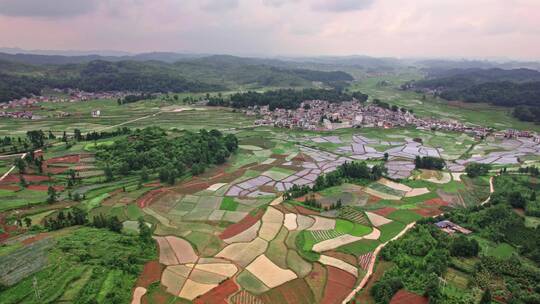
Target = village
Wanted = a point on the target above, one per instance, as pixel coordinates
(319, 115)
(23, 108)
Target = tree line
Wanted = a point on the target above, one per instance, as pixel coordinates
(285, 99)
(429, 162)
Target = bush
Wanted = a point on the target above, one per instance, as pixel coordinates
(475, 169)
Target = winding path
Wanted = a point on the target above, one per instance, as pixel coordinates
(380, 247)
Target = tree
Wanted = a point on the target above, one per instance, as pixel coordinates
(386, 156)
(23, 182)
(37, 138)
(475, 169)
(533, 196)
(144, 231)
(77, 135)
(144, 175)
(51, 195)
(463, 247)
(429, 162)
(21, 165)
(109, 173)
(28, 222)
(486, 297)
(517, 200)
(115, 224)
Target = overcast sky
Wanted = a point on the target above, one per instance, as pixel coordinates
(403, 28)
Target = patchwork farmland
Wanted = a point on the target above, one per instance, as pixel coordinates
(227, 235)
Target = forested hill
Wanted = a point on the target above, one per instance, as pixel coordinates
(213, 73)
(518, 88)
(460, 78)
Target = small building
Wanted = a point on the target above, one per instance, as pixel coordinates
(96, 113)
(451, 228)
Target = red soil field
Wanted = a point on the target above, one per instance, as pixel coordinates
(373, 200)
(38, 154)
(282, 208)
(351, 259)
(159, 296)
(218, 295)
(405, 297)
(301, 157)
(151, 273)
(241, 226)
(10, 187)
(152, 185)
(294, 292)
(427, 212)
(8, 229)
(302, 199)
(147, 199)
(338, 286)
(244, 297)
(306, 211)
(72, 159)
(384, 211)
(364, 260)
(35, 238)
(44, 188)
(55, 170)
(14, 178)
(193, 187)
(436, 202)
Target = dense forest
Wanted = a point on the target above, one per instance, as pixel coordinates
(519, 88)
(207, 74)
(152, 150)
(290, 99)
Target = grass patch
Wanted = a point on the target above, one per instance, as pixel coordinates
(404, 216)
(390, 230)
(228, 204)
(355, 229)
(304, 243)
(532, 221)
(250, 283)
(359, 248)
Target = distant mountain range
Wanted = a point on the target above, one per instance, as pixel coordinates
(24, 74)
(318, 62)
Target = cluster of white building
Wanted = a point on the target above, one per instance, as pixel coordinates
(323, 115)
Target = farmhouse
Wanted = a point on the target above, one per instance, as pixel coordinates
(452, 228)
(96, 113)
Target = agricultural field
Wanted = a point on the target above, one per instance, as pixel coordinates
(227, 234)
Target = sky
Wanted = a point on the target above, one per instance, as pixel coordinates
(394, 28)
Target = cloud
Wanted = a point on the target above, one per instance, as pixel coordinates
(219, 5)
(342, 5)
(278, 3)
(47, 8)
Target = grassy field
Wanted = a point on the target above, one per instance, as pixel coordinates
(135, 115)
